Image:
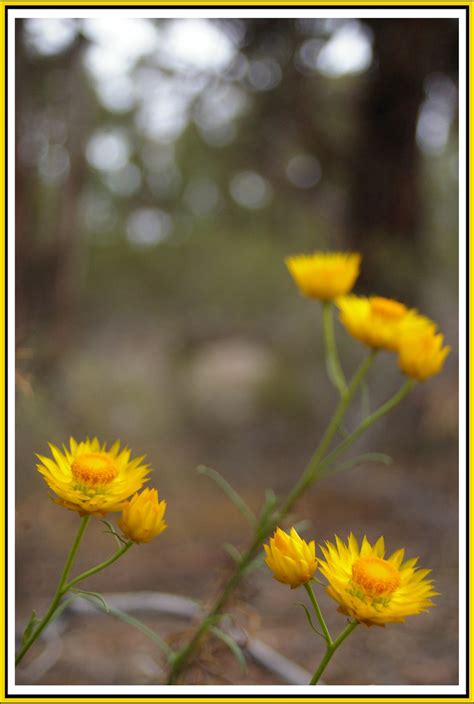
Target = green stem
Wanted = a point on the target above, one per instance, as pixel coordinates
(312, 470)
(333, 365)
(99, 567)
(182, 656)
(367, 422)
(331, 649)
(318, 613)
(309, 476)
(60, 591)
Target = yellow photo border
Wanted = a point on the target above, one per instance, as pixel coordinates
(366, 4)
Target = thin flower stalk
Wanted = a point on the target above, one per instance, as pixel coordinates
(312, 472)
(331, 649)
(333, 365)
(60, 591)
(331, 645)
(366, 423)
(64, 586)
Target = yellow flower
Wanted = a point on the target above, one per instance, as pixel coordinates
(324, 275)
(88, 478)
(375, 321)
(371, 589)
(142, 517)
(291, 559)
(421, 353)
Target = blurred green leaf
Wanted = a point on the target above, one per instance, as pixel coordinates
(362, 459)
(230, 492)
(120, 541)
(29, 628)
(232, 645)
(94, 595)
(310, 620)
(233, 552)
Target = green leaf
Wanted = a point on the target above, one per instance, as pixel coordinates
(256, 563)
(230, 492)
(63, 606)
(120, 541)
(310, 620)
(95, 595)
(130, 620)
(232, 551)
(29, 628)
(234, 647)
(300, 526)
(136, 623)
(269, 504)
(362, 459)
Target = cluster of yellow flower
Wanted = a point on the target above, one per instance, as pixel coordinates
(90, 479)
(380, 323)
(368, 587)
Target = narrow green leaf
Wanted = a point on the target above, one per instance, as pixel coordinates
(361, 459)
(300, 526)
(232, 551)
(319, 581)
(131, 621)
(310, 620)
(234, 647)
(29, 628)
(256, 563)
(112, 531)
(230, 492)
(268, 505)
(63, 606)
(95, 595)
(136, 623)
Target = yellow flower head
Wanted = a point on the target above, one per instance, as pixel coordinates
(142, 517)
(88, 478)
(324, 275)
(420, 352)
(372, 589)
(375, 321)
(291, 559)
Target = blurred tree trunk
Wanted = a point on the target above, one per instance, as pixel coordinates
(46, 214)
(385, 205)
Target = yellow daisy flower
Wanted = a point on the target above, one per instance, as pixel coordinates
(324, 275)
(291, 559)
(371, 589)
(142, 517)
(375, 321)
(421, 353)
(88, 478)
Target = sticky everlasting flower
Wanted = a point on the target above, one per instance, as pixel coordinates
(372, 589)
(375, 321)
(142, 517)
(90, 479)
(291, 559)
(421, 353)
(324, 275)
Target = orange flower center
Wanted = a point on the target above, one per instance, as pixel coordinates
(377, 577)
(93, 468)
(386, 308)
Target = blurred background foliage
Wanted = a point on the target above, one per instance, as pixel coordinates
(164, 170)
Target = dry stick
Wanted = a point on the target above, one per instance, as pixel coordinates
(309, 476)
